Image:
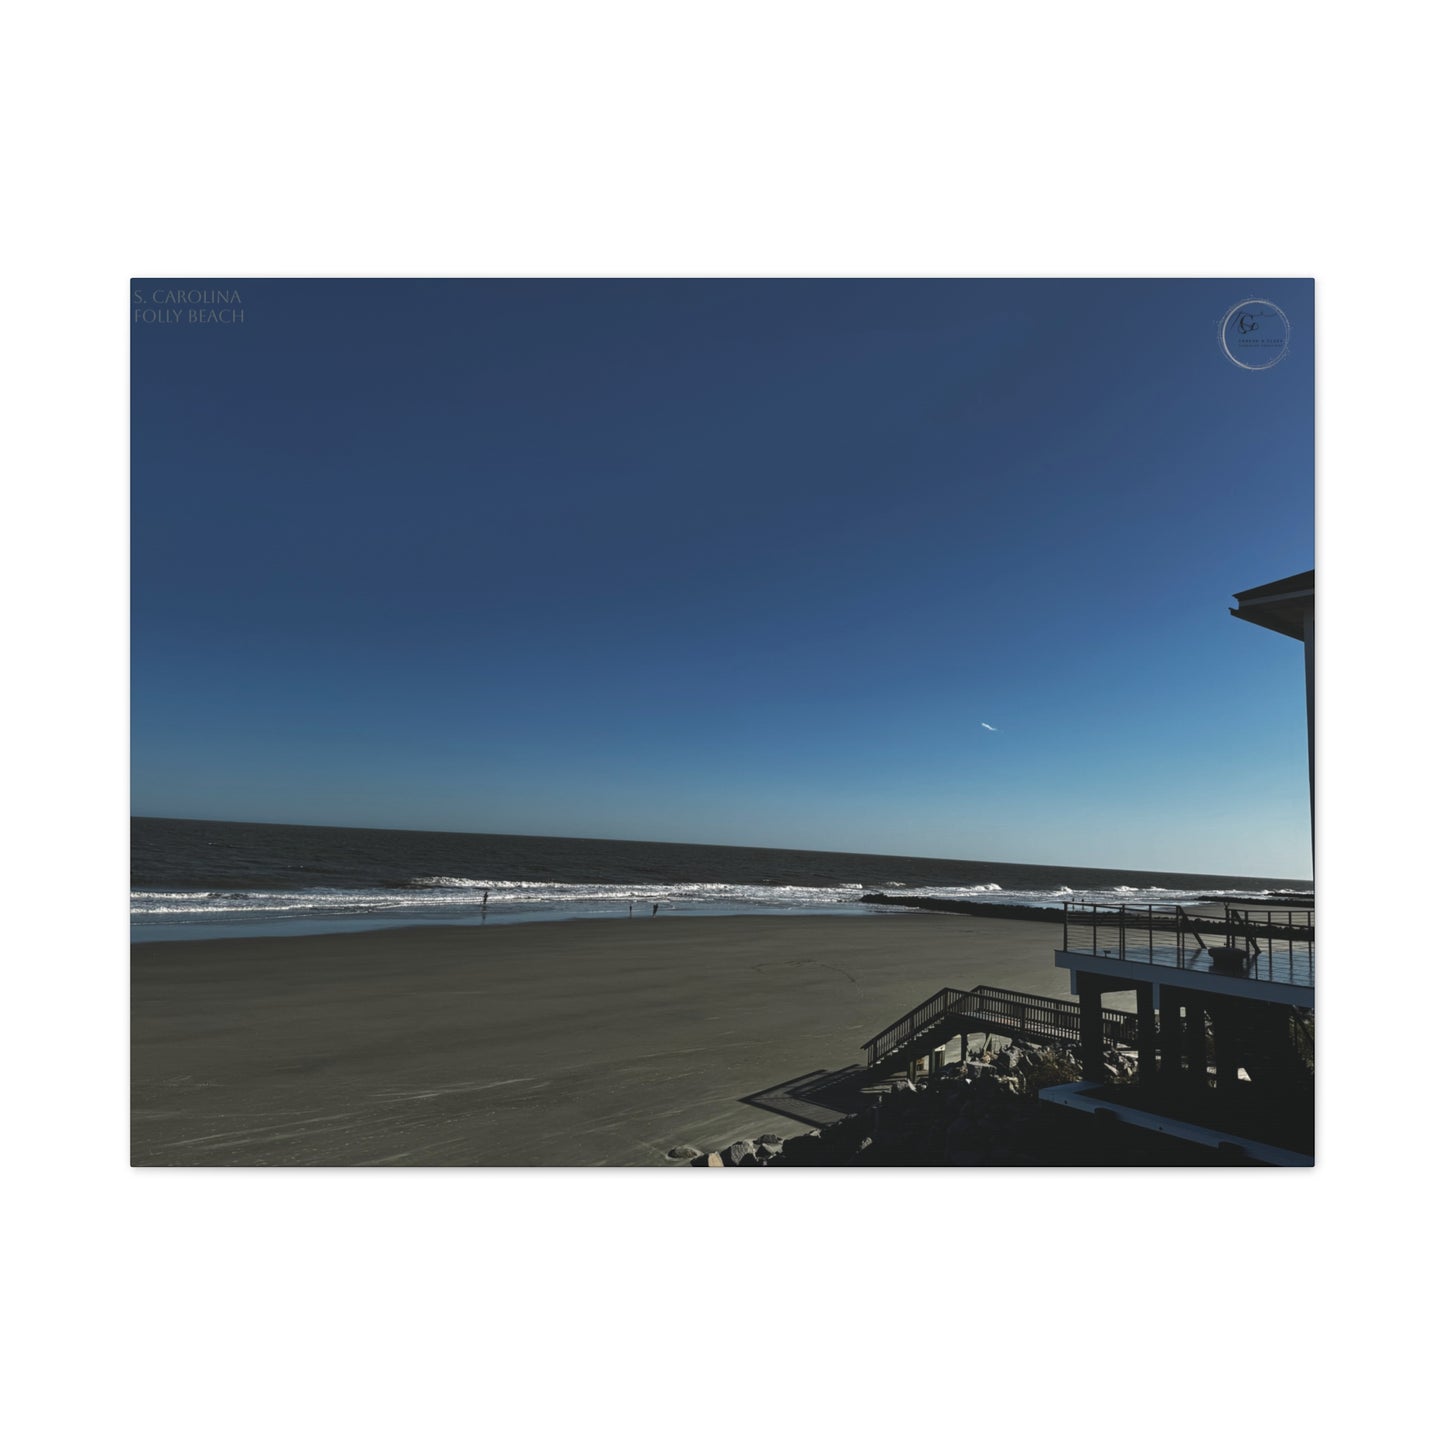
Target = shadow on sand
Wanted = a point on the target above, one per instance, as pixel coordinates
(820, 1097)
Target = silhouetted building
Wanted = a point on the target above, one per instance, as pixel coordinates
(1224, 995)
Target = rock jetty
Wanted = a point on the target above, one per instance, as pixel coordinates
(1019, 911)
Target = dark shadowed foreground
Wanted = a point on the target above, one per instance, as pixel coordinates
(553, 1043)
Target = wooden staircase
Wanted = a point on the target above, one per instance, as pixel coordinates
(986, 1009)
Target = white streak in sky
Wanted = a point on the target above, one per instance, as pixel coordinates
(990, 727)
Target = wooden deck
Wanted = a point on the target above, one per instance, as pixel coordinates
(1278, 945)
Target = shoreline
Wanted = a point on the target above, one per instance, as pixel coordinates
(340, 926)
(865, 905)
(571, 1045)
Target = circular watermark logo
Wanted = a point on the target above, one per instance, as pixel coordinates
(1254, 334)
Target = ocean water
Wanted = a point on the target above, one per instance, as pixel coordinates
(193, 879)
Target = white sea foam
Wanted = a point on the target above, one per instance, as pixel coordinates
(454, 899)
(465, 896)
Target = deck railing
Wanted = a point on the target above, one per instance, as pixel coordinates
(1275, 942)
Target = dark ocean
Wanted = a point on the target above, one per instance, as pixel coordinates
(199, 879)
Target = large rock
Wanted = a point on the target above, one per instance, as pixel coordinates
(683, 1151)
(802, 1148)
(738, 1151)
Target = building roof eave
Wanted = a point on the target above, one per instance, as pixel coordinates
(1286, 606)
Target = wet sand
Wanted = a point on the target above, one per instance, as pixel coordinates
(578, 1043)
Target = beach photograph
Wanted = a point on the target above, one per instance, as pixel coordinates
(608, 600)
(722, 722)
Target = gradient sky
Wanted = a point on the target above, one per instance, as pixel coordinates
(729, 562)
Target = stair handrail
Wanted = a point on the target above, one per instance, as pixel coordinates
(924, 1008)
(1009, 1006)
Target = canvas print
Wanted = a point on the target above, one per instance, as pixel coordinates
(714, 723)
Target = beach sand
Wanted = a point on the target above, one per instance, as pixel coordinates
(573, 1043)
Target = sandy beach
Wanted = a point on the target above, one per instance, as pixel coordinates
(569, 1043)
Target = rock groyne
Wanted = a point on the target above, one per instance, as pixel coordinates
(958, 905)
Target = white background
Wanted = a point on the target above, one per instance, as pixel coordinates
(660, 139)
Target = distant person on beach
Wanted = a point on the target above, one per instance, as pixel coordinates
(654, 910)
(629, 910)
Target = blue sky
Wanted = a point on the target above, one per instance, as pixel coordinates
(733, 562)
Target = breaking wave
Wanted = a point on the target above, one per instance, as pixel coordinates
(449, 899)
